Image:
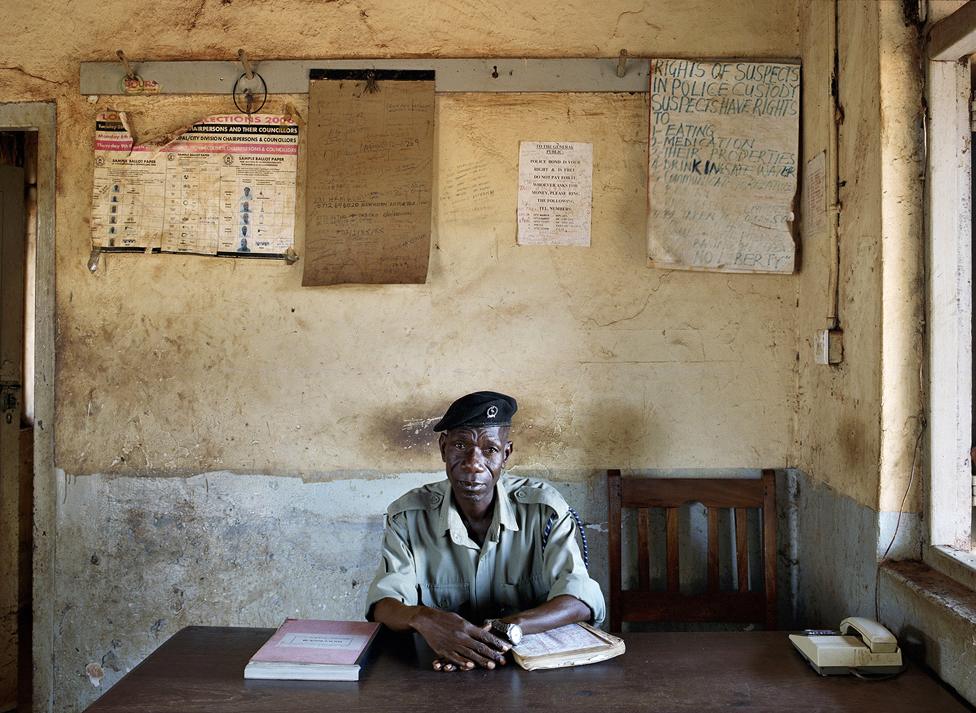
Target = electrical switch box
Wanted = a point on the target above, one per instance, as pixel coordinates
(828, 346)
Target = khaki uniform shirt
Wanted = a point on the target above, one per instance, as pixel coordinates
(429, 558)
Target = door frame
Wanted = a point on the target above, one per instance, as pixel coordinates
(41, 117)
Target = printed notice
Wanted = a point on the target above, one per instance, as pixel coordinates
(555, 193)
(226, 184)
(370, 179)
(722, 174)
(814, 184)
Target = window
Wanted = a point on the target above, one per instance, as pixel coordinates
(949, 231)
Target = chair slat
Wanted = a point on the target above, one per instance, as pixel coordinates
(710, 492)
(643, 550)
(613, 547)
(712, 550)
(769, 547)
(742, 548)
(672, 550)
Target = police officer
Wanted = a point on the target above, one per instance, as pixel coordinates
(473, 562)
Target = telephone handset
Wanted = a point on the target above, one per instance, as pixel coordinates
(861, 646)
(878, 639)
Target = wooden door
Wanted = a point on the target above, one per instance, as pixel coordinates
(12, 256)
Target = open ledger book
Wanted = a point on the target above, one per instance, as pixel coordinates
(570, 645)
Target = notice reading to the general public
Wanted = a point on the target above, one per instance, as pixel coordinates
(555, 193)
(722, 177)
(225, 185)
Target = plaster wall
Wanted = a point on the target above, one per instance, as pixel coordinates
(857, 438)
(839, 407)
(311, 405)
(220, 364)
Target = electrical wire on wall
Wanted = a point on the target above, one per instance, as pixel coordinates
(922, 423)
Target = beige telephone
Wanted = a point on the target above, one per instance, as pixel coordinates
(860, 647)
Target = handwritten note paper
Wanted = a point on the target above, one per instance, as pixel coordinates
(723, 163)
(370, 172)
(555, 193)
(815, 185)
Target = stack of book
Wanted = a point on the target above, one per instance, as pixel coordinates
(313, 650)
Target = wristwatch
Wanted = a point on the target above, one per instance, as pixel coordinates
(511, 632)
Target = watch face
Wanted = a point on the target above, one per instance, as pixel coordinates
(515, 634)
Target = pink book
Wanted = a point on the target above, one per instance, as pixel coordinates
(313, 649)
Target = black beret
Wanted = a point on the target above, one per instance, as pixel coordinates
(482, 408)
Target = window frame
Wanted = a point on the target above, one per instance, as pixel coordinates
(949, 243)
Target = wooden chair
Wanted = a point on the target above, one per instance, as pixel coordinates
(645, 604)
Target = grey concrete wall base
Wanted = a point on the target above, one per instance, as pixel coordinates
(934, 618)
(138, 558)
(839, 545)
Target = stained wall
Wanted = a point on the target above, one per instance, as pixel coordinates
(226, 440)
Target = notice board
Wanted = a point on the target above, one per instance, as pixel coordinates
(722, 175)
(370, 176)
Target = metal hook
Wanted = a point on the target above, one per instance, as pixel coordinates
(242, 58)
(93, 259)
(130, 73)
(248, 96)
(622, 63)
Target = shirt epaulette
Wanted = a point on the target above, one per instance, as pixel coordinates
(426, 497)
(534, 492)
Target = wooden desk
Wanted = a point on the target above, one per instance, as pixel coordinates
(201, 669)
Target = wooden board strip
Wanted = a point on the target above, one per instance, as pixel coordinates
(713, 549)
(643, 550)
(613, 546)
(672, 550)
(742, 548)
(710, 492)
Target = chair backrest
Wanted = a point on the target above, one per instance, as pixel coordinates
(714, 605)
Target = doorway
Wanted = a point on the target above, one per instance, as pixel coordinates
(18, 221)
(27, 473)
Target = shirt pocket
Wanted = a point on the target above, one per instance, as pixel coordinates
(524, 592)
(448, 597)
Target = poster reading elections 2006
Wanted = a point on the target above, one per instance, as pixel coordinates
(224, 185)
(722, 175)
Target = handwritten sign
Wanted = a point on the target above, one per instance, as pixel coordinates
(370, 176)
(722, 165)
(555, 193)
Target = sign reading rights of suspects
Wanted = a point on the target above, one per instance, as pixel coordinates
(225, 185)
(722, 174)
